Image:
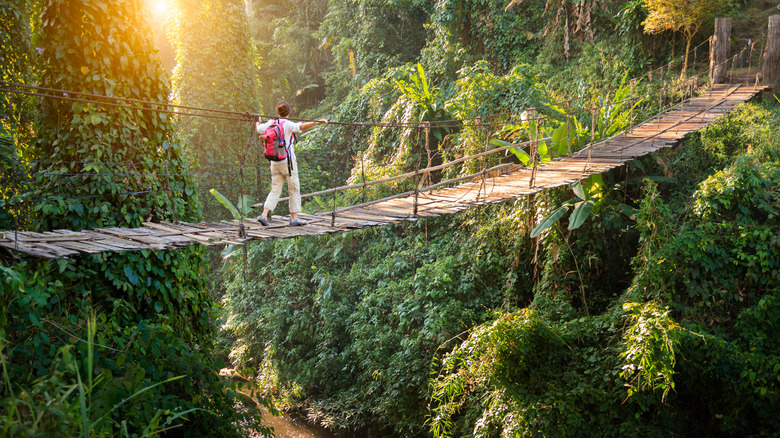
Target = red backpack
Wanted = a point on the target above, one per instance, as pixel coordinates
(273, 137)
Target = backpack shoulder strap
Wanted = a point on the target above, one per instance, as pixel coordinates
(277, 126)
(281, 128)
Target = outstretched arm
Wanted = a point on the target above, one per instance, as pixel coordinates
(260, 126)
(307, 125)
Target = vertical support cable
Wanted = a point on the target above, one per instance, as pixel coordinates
(260, 178)
(750, 64)
(731, 70)
(428, 149)
(242, 163)
(568, 135)
(363, 175)
(333, 212)
(631, 110)
(661, 93)
(417, 169)
(532, 118)
(14, 180)
(484, 163)
(592, 132)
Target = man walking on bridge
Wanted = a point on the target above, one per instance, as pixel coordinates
(287, 168)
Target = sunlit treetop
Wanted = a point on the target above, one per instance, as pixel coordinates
(679, 15)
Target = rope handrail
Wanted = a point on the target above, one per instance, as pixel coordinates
(424, 189)
(413, 173)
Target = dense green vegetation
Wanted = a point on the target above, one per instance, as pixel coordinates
(113, 344)
(215, 69)
(566, 323)
(465, 326)
(647, 307)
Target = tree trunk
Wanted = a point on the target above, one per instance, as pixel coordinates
(687, 48)
(771, 70)
(719, 50)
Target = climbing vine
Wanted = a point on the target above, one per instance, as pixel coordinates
(108, 344)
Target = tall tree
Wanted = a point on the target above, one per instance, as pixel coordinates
(98, 165)
(368, 37)
(293, 59)
(680, 15)
(106, 165)
(16, 111)
(215, 69)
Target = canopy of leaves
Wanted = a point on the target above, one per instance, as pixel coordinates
(676, 15)
(18, 66)
(152, 319)
(217, 69)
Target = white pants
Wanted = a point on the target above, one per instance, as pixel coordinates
(279, 174)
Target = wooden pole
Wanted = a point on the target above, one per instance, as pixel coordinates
(770, 72)
(719, 50)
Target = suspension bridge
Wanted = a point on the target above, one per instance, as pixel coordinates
(497, 184)
(690, 108)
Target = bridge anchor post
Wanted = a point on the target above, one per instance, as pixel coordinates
(770, 71)
(719, 50)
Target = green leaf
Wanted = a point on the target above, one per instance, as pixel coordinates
(637, 164)
(226, 202)
(521, 155)
(544, 152)
(423, 80)
(594, 186)
(158, 307)
(627, 210)
(578, 190)
(580, 214)
(131, 276)
(548, 221)
(63, 264)
(559, 140)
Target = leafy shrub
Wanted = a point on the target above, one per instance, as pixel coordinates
(349, 324)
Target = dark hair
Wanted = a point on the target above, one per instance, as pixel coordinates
(283, 109)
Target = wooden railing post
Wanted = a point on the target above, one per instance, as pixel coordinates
(417, 172)
(770, 72)
(719, 50)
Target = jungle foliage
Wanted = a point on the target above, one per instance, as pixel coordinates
(645, 304)
(216, 67)
(627, 317)
(114, 344)
(351, 326)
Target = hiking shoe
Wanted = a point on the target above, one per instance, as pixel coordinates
(263, 220)
(297, 222)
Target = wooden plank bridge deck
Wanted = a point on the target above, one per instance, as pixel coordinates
(660, 132)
